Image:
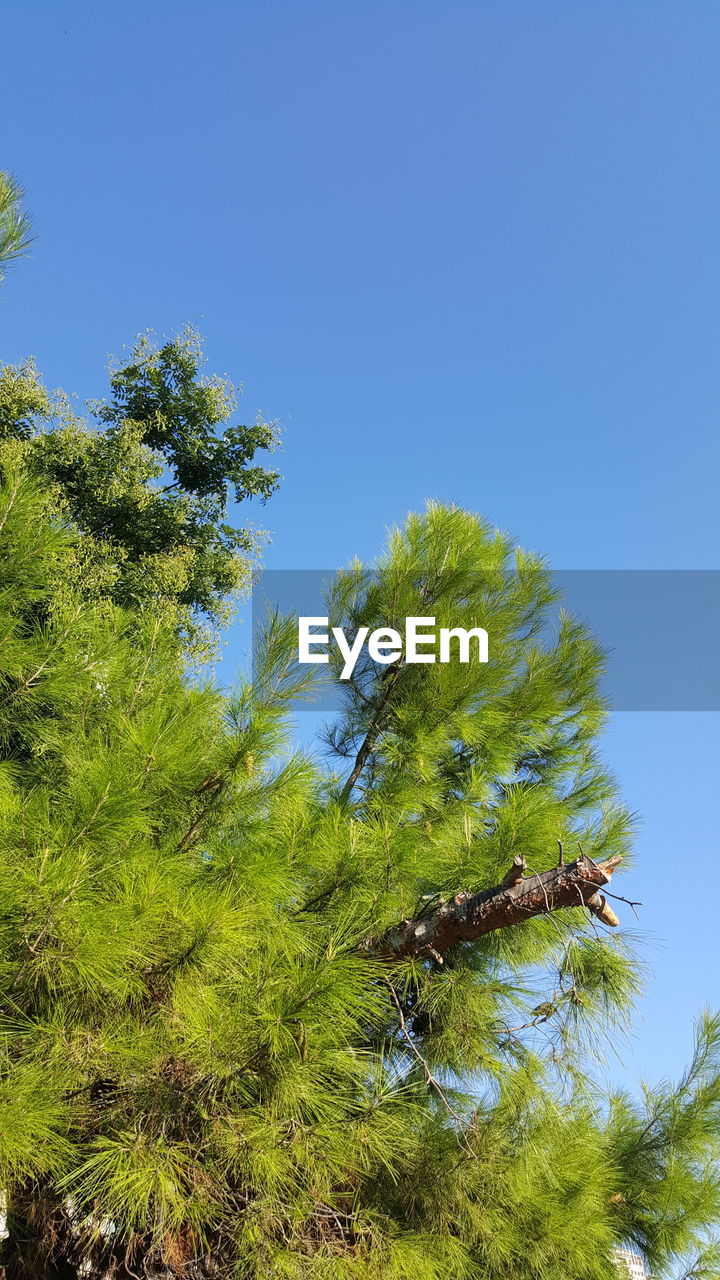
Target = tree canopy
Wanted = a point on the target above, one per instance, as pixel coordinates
(276, 1016)
(210, 1065)
(150, 483)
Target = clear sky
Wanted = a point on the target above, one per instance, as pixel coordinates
(463, 250)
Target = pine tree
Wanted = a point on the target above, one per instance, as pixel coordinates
(263, 1015)
(16, 233)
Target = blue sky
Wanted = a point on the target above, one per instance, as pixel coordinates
(463, 250)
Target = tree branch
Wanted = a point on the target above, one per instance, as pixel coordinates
(429, 1077)
(518, 897)
(374, 729)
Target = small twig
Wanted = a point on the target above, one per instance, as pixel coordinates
(525, 1026)
(319, 897)
(628, 901)
(619, 898)
(390, 676)
(429, 1077)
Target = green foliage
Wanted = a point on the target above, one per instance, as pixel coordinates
(150, 488)
(201, 1064)
(702, 1264)
(15, 225)
(665, 1147)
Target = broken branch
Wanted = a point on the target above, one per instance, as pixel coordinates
(517, 898)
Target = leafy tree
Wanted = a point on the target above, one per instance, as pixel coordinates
(226, 1048)
(150, 485)
(15, 225)
(164, 421)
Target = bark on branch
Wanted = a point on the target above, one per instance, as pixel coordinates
(519, 896)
